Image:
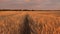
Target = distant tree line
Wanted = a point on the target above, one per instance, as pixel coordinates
(25, 10)
(15, 10)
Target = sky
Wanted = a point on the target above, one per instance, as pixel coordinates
(30, 4)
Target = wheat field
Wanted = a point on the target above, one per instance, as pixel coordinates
(29, 22)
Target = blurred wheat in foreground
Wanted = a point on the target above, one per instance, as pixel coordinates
(45, 25)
